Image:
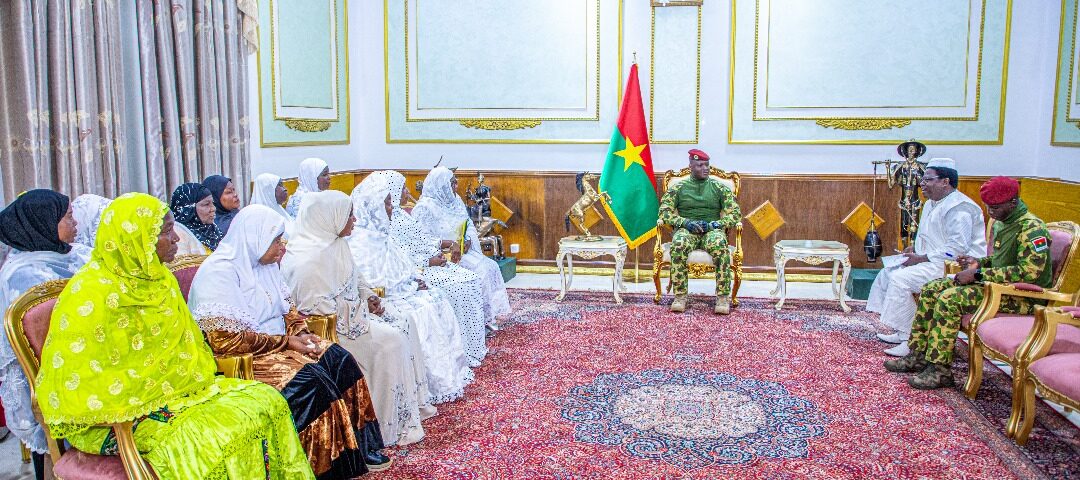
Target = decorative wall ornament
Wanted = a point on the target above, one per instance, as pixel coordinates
(863, 123)
(495, 124)
(301, 125)
(858, 220)
(765, 219)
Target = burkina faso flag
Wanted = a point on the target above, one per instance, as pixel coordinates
(628, 172)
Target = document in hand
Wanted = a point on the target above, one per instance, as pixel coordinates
(893, 260)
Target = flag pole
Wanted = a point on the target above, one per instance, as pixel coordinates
(637, 270)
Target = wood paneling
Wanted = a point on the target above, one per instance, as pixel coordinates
(812, 206)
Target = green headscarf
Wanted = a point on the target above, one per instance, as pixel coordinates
(121, 342)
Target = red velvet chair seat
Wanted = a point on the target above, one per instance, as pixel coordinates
(1059, 372)
(1005, 334)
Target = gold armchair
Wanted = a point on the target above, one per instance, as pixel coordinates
(1047, 372)
(184, 268)
(699, 262)
(27, 323)
(1065, 261)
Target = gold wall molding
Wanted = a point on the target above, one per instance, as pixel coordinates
(408, 99)
(652, 68)
(733, 36)
(498, 124)
(1065, 64)
(863, 123)
(305, 125)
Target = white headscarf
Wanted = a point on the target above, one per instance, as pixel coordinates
(378, 257)
(232, 284)
(318, 264)
(87, 210)
(310, 169)
(440, 210)
(266, 193)
(406, 231)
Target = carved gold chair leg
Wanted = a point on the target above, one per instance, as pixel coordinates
(658, 264)
(1028, 415)
(25, 452)
(736, 274)
(975, 368)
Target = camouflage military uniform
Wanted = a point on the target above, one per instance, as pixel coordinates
(705, 200)
(1021, 254)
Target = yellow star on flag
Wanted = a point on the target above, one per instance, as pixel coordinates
(631, 154)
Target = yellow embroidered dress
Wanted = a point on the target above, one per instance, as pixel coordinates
(123, 345)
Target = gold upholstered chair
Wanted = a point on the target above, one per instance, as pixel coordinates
(27, 324)
(997, 336)
(1052, 357)
(184, 268)
(699, 261)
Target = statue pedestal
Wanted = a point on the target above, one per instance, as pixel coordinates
(508, 267)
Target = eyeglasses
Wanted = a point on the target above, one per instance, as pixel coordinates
(927, 179)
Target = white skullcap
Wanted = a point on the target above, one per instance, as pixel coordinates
(941, 162)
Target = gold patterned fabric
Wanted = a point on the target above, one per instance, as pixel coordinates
(121, 342)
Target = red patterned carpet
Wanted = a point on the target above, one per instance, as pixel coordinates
(588, 389)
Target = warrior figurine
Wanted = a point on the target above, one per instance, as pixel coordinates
(907, 175)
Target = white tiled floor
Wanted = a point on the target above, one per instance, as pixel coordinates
(11, 468)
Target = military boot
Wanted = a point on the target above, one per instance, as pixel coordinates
(912, 362)
(935, 375)
(723, 305)
(679, 304)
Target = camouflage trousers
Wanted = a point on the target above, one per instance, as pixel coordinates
(715, 242)
(937, 320)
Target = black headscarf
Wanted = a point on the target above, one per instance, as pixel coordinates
(216, 184)
(183, 203)
(30, 222)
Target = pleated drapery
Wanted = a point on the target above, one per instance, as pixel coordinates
(111, 96)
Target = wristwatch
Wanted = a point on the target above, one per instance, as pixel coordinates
(978, 275)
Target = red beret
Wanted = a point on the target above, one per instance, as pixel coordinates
(999, 190)
(696, 154)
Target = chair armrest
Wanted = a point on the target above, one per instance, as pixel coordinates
(1036, 292)
(1044, 332)
(239, 366)
(134, 466)
(993, 292)
(325, 326)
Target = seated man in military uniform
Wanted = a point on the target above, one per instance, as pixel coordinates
(699, 209)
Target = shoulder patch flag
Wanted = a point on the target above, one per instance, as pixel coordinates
(1040, 244)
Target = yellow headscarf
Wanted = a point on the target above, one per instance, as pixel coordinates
(121, 342)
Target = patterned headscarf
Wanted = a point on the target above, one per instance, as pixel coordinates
(121, 342)
(87, 210)
(183, 203)
(30, 222)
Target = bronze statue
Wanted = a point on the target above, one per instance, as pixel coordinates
(480, 214)
(589, 196)
(907, 175)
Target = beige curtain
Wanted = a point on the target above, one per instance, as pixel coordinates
(76, 117)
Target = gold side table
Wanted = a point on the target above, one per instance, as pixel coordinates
(569, 246)
(813, 252)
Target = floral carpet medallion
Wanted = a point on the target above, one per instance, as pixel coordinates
(692, 419)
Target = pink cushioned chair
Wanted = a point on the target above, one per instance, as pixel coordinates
(997, 337)
(27, 325)
(184, 267)
(1051, 370)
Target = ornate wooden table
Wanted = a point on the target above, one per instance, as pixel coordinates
(813, 252)
(569, 246)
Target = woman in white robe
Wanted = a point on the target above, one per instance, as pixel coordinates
(314, 177)
(442, 213)
(386, 266)
(461, 285)
(86, 209)
(40, 229)
(319, 270)
(269, 191)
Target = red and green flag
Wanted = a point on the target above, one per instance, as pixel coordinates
(628, 172)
